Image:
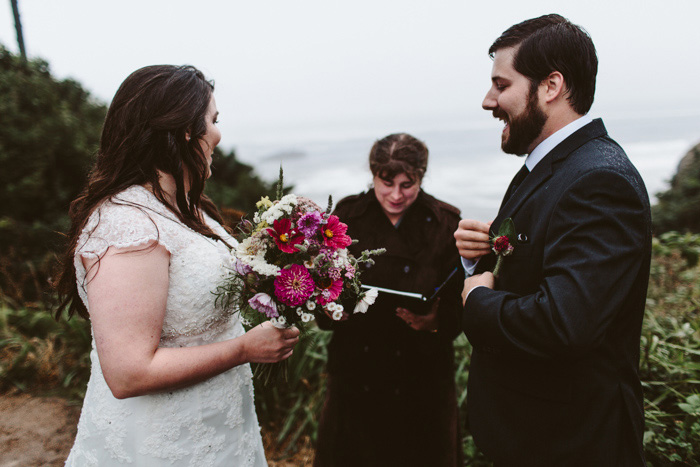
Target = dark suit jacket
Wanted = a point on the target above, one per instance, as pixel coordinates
(554, 372)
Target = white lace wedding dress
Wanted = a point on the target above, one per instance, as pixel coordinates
(209, 424)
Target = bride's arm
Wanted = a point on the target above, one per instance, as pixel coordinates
(127, 293)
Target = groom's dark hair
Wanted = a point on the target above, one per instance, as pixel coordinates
(552, 43)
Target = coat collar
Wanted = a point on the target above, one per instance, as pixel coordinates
(544, 169)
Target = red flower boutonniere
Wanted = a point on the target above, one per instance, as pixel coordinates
(503, 243)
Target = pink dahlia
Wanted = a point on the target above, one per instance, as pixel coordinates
(294, 285)
(334, 234)
(330, 290)
(284, 236)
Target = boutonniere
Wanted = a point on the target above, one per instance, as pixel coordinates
(503, 243)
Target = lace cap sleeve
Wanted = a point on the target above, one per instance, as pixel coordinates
(122, 223)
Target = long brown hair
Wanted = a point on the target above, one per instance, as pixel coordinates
(146, 132)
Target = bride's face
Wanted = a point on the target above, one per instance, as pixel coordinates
(212, 136)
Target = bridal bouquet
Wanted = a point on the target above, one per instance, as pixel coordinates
(292, 262)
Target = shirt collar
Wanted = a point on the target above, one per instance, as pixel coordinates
(554, 139)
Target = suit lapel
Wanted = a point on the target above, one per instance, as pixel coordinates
(546, 167)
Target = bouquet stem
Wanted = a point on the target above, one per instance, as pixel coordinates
(269, 372)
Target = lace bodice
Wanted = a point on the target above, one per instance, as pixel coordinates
(208, 424)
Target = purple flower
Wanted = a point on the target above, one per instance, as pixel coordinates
(309, 223)
(263, 303)
(334, 273)
(241, 268)
(349, 271)
(294, 285)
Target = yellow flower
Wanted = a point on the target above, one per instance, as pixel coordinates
(264, 203)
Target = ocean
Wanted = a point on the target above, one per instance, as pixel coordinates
(466, 167)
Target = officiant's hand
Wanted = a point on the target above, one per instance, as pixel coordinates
(472, 238)
(427, 322)
(486, 279)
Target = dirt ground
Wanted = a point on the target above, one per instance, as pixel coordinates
(36, 431)
(39, 431)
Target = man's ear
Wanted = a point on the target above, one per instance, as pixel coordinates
(553, 87)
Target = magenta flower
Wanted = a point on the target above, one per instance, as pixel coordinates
(334, 234)
(284, 236)
(330, 291)
(263, 303)
(294, 285)
(502, 246)
(309, 223)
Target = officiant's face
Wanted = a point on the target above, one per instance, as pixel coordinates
(396, 195)
(510, 99)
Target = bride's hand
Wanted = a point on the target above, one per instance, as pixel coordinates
(267, 344)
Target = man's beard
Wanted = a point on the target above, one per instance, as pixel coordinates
(524, 128)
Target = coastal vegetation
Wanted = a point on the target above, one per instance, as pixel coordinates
(48, 139)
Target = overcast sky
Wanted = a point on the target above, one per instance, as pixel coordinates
(287, 65)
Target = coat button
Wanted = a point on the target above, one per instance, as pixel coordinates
(406, 269)
(428, 219)
(522, 238)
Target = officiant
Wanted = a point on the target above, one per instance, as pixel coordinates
(391, 396)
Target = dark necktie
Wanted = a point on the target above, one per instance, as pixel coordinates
(517, 180)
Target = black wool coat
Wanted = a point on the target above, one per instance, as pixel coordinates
(391, 394)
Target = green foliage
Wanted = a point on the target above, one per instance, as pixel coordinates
(39, 354)
(49, 134)
(291, 409)
(679, 207)
(670, 353)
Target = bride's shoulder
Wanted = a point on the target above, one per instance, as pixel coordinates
(131, 217)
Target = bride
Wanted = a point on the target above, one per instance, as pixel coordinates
(170, 382)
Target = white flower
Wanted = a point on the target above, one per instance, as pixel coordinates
(311, 306)
(300, 312)
(279, 323)
(331, 306)
(337, 315)
(367, 299)
(306, 317)
(339, 307)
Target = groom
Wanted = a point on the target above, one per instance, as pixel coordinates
(553, 379)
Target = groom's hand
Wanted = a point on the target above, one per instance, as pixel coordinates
(472, 238)
(478, 280)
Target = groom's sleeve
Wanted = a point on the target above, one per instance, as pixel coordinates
(594, 249)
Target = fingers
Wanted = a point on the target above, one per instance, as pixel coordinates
(472, 238)
(474, 225)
